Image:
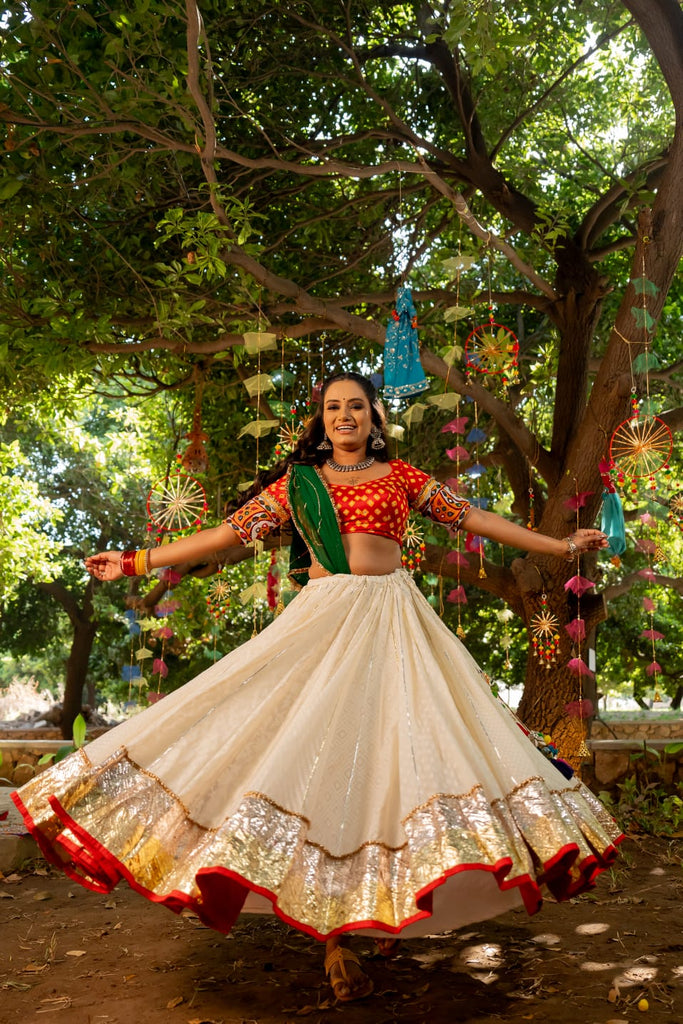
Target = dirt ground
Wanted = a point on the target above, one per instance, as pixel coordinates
(71, 955)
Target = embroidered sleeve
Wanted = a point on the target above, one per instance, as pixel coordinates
(435, 500)
(440, 503)
(264, 514)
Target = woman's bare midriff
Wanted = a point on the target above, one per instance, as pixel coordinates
(367, 555)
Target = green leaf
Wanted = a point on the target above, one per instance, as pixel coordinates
(79, 731)
(453, 313)
(456, 263)
(9, 187)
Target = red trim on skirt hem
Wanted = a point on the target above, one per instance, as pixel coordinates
(225, 891)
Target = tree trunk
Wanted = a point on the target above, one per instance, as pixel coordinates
(76, 673)
(85, 628)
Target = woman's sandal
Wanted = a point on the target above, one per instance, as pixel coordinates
(339, 957)
(388, 948)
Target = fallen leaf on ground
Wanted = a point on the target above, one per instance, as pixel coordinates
(54, 1003)
(76, 952)
(176, 1001)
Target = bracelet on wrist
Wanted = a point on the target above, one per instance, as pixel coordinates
(127, 563)
(572, 549)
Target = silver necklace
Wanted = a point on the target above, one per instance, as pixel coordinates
(353, 467)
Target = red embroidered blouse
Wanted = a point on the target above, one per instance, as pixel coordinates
(379, 507)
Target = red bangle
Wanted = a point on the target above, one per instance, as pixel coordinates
(127, 563)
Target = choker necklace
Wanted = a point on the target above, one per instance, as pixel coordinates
(354, 467)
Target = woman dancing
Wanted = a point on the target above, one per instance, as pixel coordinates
(348, 768)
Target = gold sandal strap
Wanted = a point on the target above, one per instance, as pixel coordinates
(340, 955)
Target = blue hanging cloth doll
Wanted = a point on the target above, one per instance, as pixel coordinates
(403, 373)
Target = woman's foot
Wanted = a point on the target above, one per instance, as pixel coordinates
(347, 978)
(388, 948)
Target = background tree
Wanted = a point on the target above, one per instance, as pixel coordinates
(172, 178)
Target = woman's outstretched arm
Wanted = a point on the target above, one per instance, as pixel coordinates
(497, 528)
(107, 564)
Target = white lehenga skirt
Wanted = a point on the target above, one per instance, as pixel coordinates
(348, 768)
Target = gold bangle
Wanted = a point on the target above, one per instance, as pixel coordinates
(140, 562)
(148, 567)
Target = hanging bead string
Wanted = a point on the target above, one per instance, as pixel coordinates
(505, 614)
(650, 549)
(531, 463)
(482, 570)
(583, 750)
(131, 665)
(256, 470)
(161, 664)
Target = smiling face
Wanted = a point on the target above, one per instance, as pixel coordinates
(347, 416)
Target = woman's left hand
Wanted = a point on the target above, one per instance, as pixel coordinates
(589, 540)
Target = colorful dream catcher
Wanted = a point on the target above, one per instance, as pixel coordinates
(492, 349)
(218, 597)
(640, 447)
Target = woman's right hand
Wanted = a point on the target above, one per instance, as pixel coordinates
(105, 566)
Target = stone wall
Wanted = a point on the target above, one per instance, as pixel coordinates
(638, 729)
(21, 751)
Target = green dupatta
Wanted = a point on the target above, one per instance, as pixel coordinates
(316, 531)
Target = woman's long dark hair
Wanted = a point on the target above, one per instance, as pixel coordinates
(307, 452)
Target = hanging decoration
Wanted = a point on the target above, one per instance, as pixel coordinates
(403, 373)
(291, 430)
(273, 582)
(413, 545)
(640, 447)
(493, 349)
(576, 629)
(504, 616)
(676, 510)
(612, 521)
(649, 548)
(218, 597)
(195, 459)
(174, 503)
(545, 635)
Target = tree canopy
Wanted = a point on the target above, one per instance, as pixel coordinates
(175, 175)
